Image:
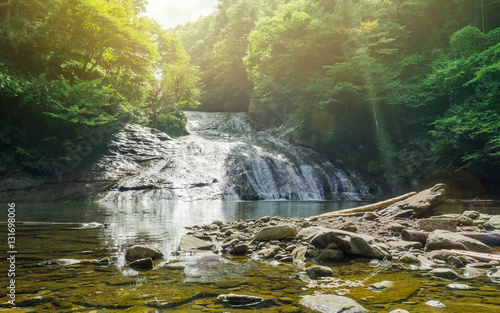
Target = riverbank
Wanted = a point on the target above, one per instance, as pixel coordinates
(449, 247)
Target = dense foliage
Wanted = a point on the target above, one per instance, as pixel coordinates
(404, 88)
(70, 67)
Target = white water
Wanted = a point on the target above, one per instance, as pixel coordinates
(226, 157)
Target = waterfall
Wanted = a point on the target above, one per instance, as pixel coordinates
(229, 156)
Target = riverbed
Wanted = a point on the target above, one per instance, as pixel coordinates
(46, 232)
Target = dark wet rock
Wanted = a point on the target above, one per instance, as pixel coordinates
(319, 271)
(140, 252)
(441, 239)
(409, 258)
(432, 224)
(189, 242)
(326, 255)
(276, 233)
(332, 304)
(145, 263)
(444, 273)
(105, 261)
(235, 300)
(348, 242)
(411, 235)
(240, 249)
(406, 245)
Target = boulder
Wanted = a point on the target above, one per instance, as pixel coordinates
(146, 263)
(441, 239)
(332, 304)
(471, 214)
(140, 252)
(275, 233)
(409, 258)
(240, 249)
(189, 242)
(319, 271)
(348, 242)
(326, 255)
(419, 205)
(432, 224)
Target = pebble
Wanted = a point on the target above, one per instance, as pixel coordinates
(435, 304)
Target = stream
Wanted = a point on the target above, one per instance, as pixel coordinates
(44, 232)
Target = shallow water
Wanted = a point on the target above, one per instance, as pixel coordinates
(95, 288)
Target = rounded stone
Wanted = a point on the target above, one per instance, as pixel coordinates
(319, 271)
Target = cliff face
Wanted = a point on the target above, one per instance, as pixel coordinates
(225, 157)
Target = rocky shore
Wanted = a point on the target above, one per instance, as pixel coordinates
(402, 235)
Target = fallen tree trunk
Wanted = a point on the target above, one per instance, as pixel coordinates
(369, 207)
(491, 239)
(477, 255)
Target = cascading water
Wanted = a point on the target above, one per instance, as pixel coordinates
(225, 156)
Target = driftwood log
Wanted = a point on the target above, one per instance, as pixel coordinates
(368, 207)
(408, 205)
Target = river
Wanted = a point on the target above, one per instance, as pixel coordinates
(116, 287)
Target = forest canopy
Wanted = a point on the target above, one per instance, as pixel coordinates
(68, 67)
(400, 88)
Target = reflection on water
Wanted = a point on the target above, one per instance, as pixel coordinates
(94, 288)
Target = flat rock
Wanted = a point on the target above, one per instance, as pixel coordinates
(140, 252)
(275, 233)
(432, 224)
(189, 242)
(441, 239)
(399, 311)
(235, 300)
(348, 242)
(332, 304)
